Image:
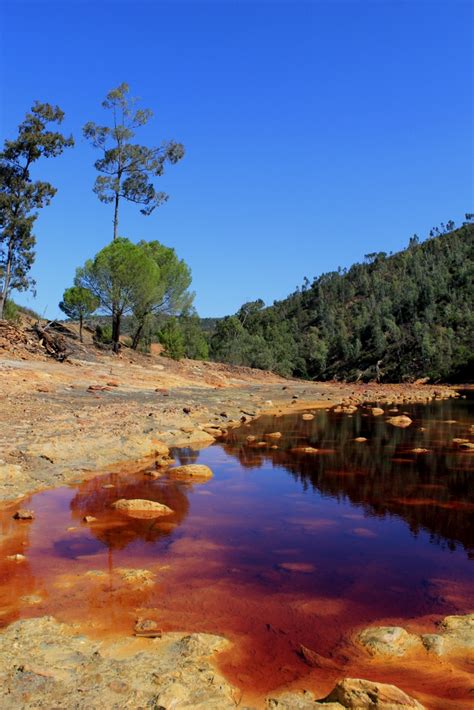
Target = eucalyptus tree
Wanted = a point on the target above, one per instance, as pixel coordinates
(79, 303)
(127, 169)
(20, 196)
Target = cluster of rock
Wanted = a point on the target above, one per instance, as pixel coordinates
(456, 634)
(47, 664)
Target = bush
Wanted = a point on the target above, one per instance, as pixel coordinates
(103, 334)
(11, 312)
(172, 339)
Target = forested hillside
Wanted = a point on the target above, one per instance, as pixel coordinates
(394, 317)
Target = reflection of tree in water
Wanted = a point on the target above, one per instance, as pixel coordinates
(431, 492)
(117, 530)
(185, 455)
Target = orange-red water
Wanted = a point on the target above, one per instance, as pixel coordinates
(280, 549)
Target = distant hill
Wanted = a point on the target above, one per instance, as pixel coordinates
(402, 316)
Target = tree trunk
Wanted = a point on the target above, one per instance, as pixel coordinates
(137, 335)
(116, 216)
(115, 331)
(80, 328)
(6, 282)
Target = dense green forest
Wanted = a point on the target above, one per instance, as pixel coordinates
(391, 318)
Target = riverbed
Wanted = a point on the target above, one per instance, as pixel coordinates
(296, 543)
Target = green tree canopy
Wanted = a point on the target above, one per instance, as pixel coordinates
(169, 294)
(120, 276)
(79, 303)
(394, 317)
(20, 196)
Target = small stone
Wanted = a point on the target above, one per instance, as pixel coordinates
(308, 417)
(377, 411)
(402, 421)
(304, 450)
(89, 519)
(274, 435)
(118, 686)
(147, 628)
(23, 514)
(360, 439)
(434, 643)
(16, 558)
(31, 599)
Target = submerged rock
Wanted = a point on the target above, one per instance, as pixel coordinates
(138, 577)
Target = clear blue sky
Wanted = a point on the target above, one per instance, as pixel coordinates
(315, 132)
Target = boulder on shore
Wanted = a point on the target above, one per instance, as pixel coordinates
(356, 694)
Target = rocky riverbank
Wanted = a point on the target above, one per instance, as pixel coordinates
(63, 422)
